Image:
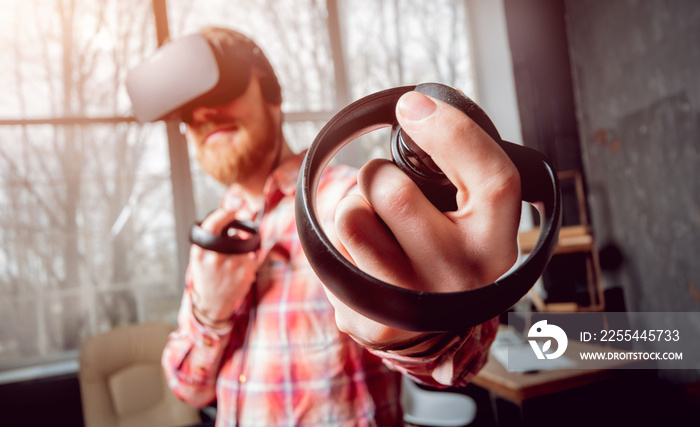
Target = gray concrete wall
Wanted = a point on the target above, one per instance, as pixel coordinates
(636, 74)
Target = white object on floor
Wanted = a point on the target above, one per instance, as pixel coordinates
(435, 408)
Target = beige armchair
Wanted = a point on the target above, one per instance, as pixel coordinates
(122, 382)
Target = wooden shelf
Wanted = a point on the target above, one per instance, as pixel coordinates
(572, 239)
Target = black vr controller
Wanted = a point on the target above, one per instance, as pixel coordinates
(227, 243)
(404, 308)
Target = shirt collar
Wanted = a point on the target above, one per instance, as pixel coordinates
(284, 177)
(280, 183)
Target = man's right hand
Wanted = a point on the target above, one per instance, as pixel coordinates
(219, 281)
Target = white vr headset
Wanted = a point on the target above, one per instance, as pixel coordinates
(191, 72)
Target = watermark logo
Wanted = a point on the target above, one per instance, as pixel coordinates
(543, 330)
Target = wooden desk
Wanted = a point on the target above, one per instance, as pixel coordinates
(536, 399)
(519, 387)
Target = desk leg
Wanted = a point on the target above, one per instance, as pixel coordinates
(494, 407)
(505, 412)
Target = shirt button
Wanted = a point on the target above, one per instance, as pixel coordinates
(208, 342)
(242, 379)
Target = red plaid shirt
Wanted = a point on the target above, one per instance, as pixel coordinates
(296, 367)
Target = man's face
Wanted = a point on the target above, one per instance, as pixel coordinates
(239, 140)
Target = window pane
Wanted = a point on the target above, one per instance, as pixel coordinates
(86, 215)
(292, 33)
(405, 42)
(62, 61)
(87, 232)
(401, 42)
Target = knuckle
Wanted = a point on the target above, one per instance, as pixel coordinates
(463, 129)
(504, 184)
(468, 126)
(396, 199)
(390, 192)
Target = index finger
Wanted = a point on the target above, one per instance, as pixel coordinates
(217, 221)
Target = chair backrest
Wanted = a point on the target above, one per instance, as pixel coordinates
(122, 382)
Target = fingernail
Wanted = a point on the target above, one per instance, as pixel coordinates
(416, 106)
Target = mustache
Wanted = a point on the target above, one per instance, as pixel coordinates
(212, 126)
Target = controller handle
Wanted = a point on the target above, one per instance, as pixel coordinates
(225, 243)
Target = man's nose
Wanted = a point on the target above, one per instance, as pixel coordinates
(203, 113)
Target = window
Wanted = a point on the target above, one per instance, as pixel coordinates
(87, 223)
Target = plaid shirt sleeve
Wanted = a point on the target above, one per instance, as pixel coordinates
(192, 357)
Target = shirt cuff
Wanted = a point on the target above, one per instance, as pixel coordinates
(206, 345)
(446, 359)
(208, 329)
